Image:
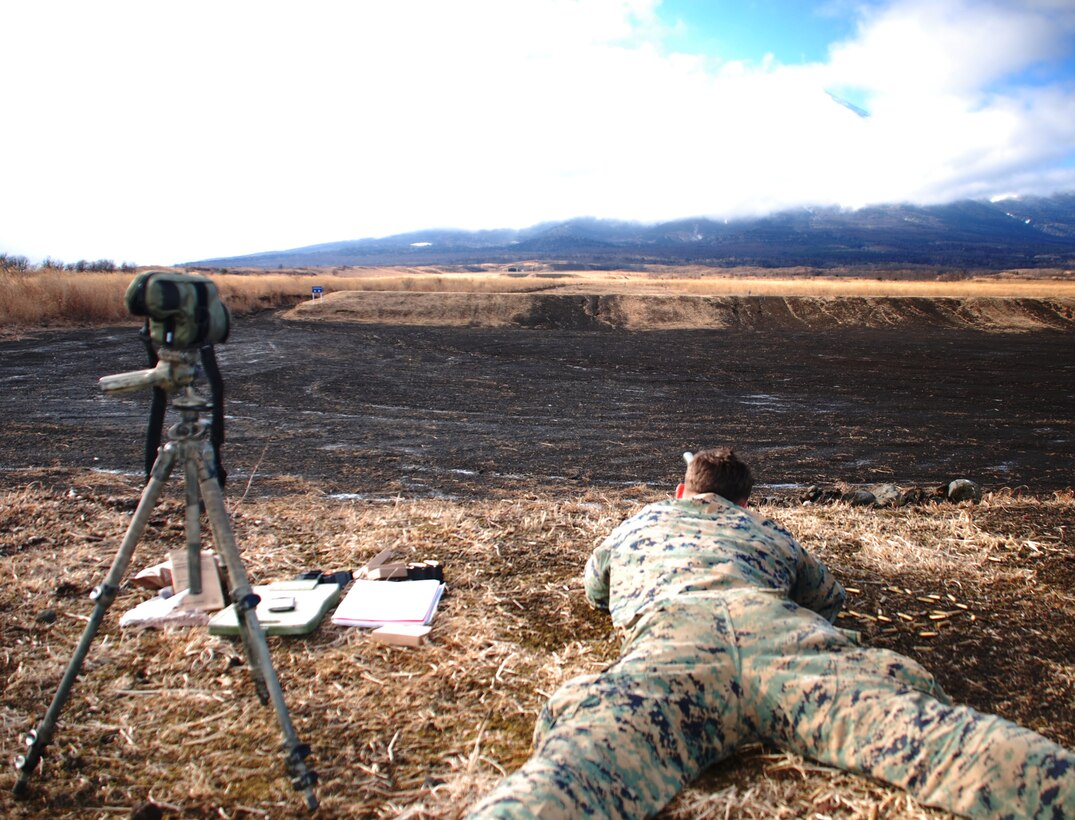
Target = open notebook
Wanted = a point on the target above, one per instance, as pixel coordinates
(377, 603)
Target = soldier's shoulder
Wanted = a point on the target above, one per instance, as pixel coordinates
(657, 509)
(774, 527)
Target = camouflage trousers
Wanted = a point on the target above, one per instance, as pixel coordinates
(698, 679)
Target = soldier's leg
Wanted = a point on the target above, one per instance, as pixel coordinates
(880, 713)
(625, 742)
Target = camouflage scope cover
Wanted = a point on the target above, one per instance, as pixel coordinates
(182, 310)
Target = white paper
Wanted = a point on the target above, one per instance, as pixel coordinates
(377, 603)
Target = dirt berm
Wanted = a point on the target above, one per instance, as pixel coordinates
(652, 312)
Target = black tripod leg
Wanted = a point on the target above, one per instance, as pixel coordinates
(257, 649)
(103, 596)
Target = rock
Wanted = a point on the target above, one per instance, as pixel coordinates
(914, 495)
(887, 495)
(47, 616)
(963, 489)
(859, 498)
(816, 495)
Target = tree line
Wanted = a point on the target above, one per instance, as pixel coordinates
(9, 262)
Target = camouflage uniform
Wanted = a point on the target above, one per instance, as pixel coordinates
(729, 640)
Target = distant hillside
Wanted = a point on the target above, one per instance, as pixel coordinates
(1025, 232)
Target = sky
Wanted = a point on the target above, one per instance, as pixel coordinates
(155, 133)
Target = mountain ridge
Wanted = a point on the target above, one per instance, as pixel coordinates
(1018, 232)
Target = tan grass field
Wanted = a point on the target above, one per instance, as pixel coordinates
(49, 298)
(422, 732)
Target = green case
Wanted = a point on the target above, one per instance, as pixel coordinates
(312, 601)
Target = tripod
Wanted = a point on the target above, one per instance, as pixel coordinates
(187, 445)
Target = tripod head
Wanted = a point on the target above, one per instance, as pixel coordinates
(176, 369)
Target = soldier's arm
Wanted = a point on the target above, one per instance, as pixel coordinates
(595, 578)
(816, 588)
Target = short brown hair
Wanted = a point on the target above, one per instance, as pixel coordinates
(719, 471)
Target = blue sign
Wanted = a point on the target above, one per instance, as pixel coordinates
(317, 290)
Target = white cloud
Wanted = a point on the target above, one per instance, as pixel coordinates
(158, 133)
(925, 47)
(942, 116)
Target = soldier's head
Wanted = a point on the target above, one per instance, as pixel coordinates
(719, 471)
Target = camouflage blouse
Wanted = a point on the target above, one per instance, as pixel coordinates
(701, 547)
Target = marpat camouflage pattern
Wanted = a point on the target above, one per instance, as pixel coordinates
(729, 640)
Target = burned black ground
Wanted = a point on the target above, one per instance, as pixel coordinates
(423, 411)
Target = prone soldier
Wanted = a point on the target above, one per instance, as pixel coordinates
(730, 640)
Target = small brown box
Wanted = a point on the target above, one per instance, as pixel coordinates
(401, 634)
(212, 594)
(388, 572)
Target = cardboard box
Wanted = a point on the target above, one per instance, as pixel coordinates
(387, 572)
(401, 634)
(212, 594)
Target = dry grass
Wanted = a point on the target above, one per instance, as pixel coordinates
(423, 732)
(678, 311)
(47, 298)
(51, 297)
(826, 287)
